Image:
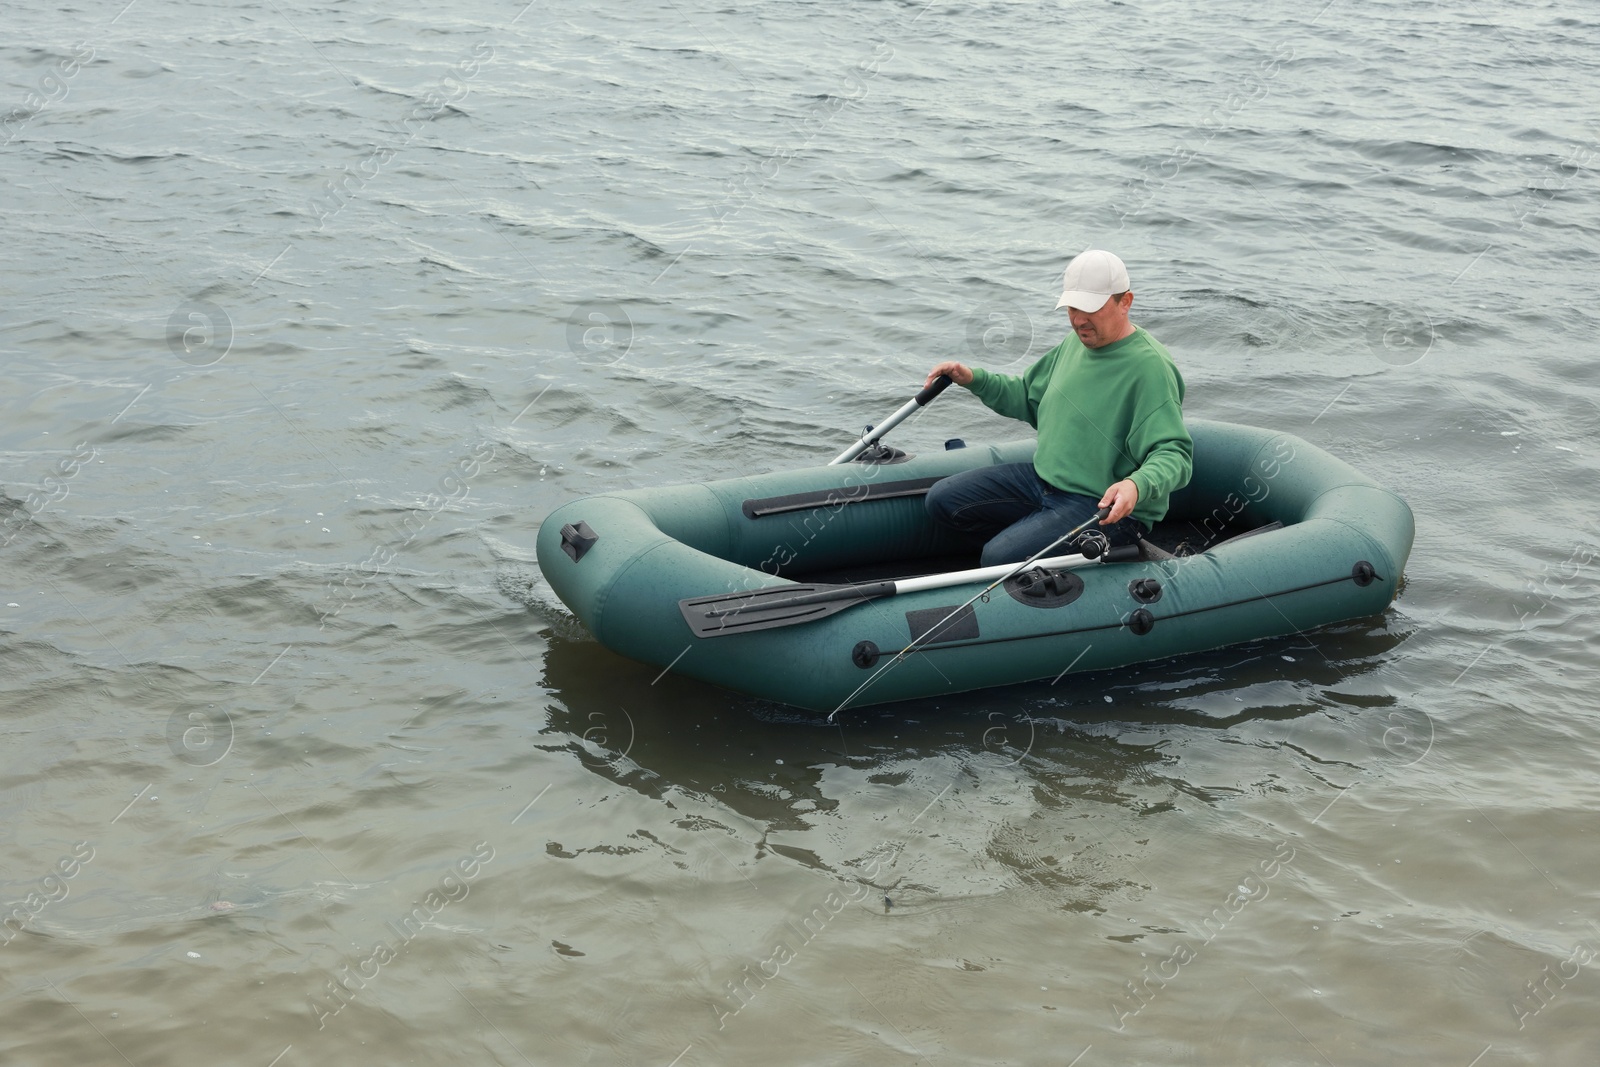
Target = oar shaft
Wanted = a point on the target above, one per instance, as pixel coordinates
(874, 590)
(982, 574)
(866, 442)
(907, 409)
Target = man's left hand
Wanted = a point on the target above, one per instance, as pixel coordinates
(1121, 497)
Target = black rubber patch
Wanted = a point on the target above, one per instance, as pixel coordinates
(865, 654)
(1045, 588)
(1363, 574)
(860, 493)
(962, 627)
(1141, 622)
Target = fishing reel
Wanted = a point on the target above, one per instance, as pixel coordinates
(1096, 545)
(1093, 544)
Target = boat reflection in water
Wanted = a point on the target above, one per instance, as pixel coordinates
(1088, 752)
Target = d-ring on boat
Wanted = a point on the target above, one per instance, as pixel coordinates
(830, 587)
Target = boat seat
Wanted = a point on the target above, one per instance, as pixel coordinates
(1153, 553)
(1172, 538)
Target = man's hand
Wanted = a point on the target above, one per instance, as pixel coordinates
(959, 373)
(1121, 497)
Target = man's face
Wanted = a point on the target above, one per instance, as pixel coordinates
(1099, 328)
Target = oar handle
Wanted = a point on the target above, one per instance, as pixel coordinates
(939, 385)
(907, 409)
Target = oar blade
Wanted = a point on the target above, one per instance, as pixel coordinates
(764, 609)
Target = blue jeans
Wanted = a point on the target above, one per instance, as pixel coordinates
(1017, 513)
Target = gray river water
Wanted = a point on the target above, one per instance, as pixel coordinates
(313, 312)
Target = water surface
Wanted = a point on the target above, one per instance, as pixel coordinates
(313, 312)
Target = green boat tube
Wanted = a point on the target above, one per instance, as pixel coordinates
(781, 585)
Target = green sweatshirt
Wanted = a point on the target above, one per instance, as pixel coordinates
(1103, 414)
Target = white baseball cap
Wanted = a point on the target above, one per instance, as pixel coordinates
(1091, 279)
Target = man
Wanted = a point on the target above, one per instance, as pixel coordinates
(1108, 405)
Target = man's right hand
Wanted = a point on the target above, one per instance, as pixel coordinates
(959, 373)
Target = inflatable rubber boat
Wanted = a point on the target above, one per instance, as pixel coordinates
(829, 587)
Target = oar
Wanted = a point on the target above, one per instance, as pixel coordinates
(1010, 570)
(906, 410)
(789, 605)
